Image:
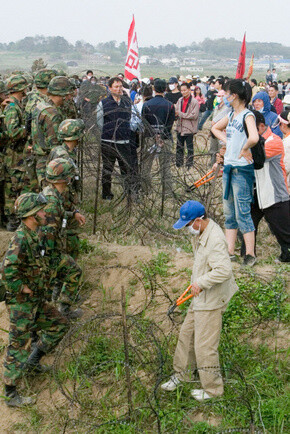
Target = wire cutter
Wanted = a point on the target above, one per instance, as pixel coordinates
(180, 300)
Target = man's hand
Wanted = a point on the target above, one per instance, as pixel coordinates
(27, 290)
(195, 289)
(247, 154)
(80, 218)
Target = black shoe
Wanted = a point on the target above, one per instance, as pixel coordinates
(32, 365)
(66, 311)
(108, 196)
(249, 260)
(13, 399)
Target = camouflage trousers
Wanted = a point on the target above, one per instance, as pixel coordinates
(40, 163)
(30, 182)
(67, 273)
(13, 187)
(29, 314)
(72, 238)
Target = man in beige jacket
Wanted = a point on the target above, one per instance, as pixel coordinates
(213, 285)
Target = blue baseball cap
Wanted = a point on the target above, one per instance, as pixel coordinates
(190, 210)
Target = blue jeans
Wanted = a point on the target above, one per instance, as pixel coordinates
(237, 208)
(206, 115)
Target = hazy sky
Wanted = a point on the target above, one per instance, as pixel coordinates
(157, 21)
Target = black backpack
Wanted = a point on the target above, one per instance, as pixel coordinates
(258, 151)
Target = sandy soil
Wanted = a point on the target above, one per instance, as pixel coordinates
(107, 269)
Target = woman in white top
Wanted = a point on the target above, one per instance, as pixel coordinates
(238, 174)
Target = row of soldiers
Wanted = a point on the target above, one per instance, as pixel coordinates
(41, 182)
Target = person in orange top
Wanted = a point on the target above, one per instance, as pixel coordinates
(271, 197)
(284, 120)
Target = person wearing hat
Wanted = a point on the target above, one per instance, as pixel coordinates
(41, 81)
(46, 119)
(4, 140)
(17, 134)
(26, 278)
(71, 132)
(59, 174)
(174, 94)
(213, 285)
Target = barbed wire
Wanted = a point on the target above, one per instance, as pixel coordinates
(90, 366)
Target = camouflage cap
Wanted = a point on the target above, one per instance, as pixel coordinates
(71, 129)
(60, 170)
(16, 83)
(43, 76)
(3, 88)
(29, 204)
(60, 85)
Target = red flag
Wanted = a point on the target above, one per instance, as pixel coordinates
(132, 66)
(242, 60)
(251, 67)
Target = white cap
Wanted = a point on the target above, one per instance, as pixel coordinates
(146, 80)
(286, 99)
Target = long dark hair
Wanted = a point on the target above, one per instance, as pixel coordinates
(240, 88)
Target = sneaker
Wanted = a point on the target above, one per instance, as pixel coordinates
(200, 394)
(233, 258)
(172, 384)
(249, 260)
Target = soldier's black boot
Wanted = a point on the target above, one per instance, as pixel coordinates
(13, 223)
(13, 399)
(65, 310)
(32, 364)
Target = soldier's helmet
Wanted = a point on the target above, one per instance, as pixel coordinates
(60, 170)
(16, 83)
(60, 85)
(71, 129)
(29, 78)
(43, 77)
(29, 203)
(3, 88)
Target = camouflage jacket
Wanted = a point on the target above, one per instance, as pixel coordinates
(3, 132)
(69, 109)
(44, 127)
(72, 194)
(14, 124)
(33, 98)
(24, 263)
(53, 235)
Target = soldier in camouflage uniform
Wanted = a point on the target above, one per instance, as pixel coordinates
(45, 122)
(70, 132)
(3, 143)
(14, 162)
(59, 173)
(26, 278)
(69, 108)
(41, 81)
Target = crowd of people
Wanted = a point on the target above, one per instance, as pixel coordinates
(43, 120)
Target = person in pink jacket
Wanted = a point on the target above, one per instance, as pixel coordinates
(186, 110)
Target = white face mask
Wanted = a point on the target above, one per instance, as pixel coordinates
(172, 86)
(193, 231)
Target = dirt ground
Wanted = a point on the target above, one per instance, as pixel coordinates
(106, 270)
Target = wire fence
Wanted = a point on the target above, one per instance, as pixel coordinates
(109, 368)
